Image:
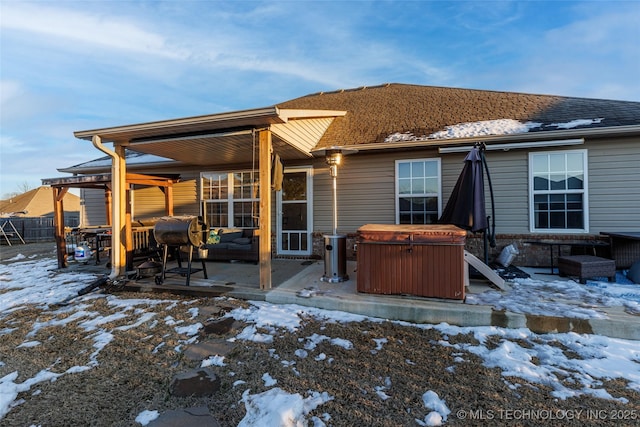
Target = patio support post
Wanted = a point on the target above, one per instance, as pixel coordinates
(58, 224)
(120, 188)
(107, 203)
(118, 184)
(265, 148)
(128, 230)
(168, 199)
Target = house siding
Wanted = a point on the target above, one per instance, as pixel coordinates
(148, 202)
(366, 187)
(614, 185)
(92, 207)
(185, 195)
(366, 193)
(509, 178)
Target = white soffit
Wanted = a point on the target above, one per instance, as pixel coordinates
(302, 134)
(208, 140)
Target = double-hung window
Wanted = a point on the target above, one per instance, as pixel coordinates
(230, 199)
(418, 199)
(558, 196)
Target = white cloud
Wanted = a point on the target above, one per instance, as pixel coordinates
(84, 28)
(10, 145)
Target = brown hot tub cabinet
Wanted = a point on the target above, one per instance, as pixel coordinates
(420, 260)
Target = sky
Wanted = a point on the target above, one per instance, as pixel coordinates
(570, 364)
(67, 66)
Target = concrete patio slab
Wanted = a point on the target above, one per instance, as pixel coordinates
(298, 282)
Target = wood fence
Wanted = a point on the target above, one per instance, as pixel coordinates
(35, 229)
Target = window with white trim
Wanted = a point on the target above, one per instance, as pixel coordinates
(418, 198)
(558, 191)
(230, 199)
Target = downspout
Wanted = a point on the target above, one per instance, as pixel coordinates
(116, 224)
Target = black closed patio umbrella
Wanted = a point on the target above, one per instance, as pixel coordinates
(466, 206)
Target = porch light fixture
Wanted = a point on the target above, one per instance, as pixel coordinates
(514, 145)
(335, 260)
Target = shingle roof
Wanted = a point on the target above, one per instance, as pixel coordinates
(37, 202)
(374, 113)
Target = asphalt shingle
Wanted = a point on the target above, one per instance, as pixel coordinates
(374, 113)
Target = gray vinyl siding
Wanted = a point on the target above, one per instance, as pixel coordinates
(510, 179)
(366, 187)
(149, 201)
(185, 195)
(92, 207)
(614, 185)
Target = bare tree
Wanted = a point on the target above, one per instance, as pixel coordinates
(23, 187)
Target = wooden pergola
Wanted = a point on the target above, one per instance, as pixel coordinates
(104, 182)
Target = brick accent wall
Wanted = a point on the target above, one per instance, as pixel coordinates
(529, 255)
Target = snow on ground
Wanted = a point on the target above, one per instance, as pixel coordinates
(581, 359)
(563, 298)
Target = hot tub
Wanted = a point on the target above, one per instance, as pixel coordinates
(419, 260)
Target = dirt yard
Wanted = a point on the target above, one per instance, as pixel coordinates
(134, 371)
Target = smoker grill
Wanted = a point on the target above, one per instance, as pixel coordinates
(176, 233)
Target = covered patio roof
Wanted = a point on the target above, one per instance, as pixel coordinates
(234, 138)
(223, 139)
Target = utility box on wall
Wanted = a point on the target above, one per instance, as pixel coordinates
(419, 260)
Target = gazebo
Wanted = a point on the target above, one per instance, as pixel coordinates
(104, 181)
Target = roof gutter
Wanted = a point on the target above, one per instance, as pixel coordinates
(116, 224)
(113, 132)
(495, 139)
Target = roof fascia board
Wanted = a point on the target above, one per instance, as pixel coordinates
(262, 116)
(260, 113)
(287, 114)
(522, 137)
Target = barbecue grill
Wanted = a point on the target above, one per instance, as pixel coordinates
(178, 233)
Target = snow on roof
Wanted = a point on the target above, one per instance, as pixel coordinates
(487, 128)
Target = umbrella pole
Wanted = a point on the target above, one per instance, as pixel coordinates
(486, 248)
(492, 227)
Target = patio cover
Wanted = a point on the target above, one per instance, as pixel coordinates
(226, 139)
(223, 139)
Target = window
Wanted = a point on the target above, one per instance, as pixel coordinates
(230, 199)
(558, 196)
(418, 199)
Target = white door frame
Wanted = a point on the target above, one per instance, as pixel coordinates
(279, 231)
